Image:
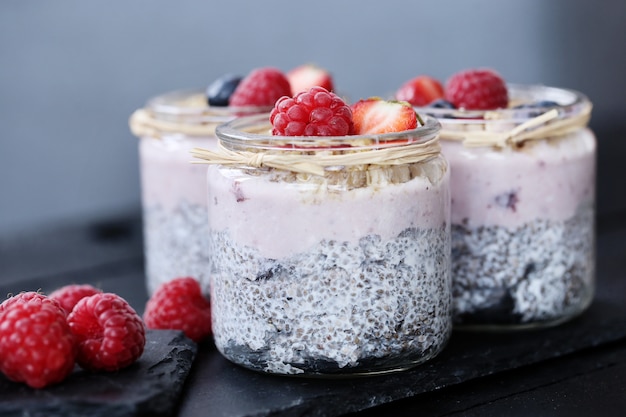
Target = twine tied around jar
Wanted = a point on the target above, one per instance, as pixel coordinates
(316, 160)
(143, 123)
(540, 127)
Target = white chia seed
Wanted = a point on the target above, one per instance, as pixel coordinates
(338, 308)
(539, 272)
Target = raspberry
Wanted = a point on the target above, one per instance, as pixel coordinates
(26, 297)
(36, 344)
(180, 305)
(477, 89)
(69, 295)
(316, 112)
(110, 334)
(262, 87)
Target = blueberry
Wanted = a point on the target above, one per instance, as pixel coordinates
(220, 90)
(541, 107)
(537, 104)
(441, 104)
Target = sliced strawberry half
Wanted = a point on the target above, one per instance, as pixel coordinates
(420, 91)
(305, 76)
(374, 116)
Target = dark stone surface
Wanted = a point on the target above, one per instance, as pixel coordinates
(549, 388)
(516, 363)
(149, 387)
(228, 390)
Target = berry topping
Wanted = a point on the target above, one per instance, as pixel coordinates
(180, 305)
(315, 112)
(536, 108)
(420, 91)
(36, 344)
(477, 89)
(304, 77)
(537, 104)
(110, 334)
(262, 87)
(219, 91)
(374, 115)
(441, 103)
(69, 295)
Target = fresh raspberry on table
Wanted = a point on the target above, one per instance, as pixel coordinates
(68, 295)
(420, 91)
(477, 89)
(262, 87)
(26, 297)
(109, 333)
(377, 116)
(316, 112)
(36, 344)
(180, 305)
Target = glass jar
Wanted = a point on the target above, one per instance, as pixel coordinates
(523, 196)
(331, 255)
(173, 191)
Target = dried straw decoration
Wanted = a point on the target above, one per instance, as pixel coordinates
(546, 125)
(314, 162)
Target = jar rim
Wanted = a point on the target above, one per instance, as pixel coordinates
(568, 103)
(190, 106)
(244, 131)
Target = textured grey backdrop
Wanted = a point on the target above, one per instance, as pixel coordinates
(72, 71)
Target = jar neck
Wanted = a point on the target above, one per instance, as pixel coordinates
(184, 113)
(569, 111)
(241, 145)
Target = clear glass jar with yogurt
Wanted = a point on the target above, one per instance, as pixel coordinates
(523, 196)
(331, 255)
(173, 191)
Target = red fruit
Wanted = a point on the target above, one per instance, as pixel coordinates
(26, 297)
(304, 77)
(316, 112)
(374, 116)
(262, 87)
(477, 89)
(180, 305)
(36, 344)
(110, 334)
(69, 295)
(420, 91)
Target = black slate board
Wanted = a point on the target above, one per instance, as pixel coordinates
(218, 388)
(228, 390)
(149, 387)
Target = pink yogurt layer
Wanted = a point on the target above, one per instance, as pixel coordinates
(167, 175)
(280, 220)
(546, 179)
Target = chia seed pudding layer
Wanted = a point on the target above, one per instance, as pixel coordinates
(540, 272)
(338, 308)
(173, 245)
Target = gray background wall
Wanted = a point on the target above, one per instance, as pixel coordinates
(72, 71)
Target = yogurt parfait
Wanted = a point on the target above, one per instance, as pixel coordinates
(523, 192)
(173, 190)
(329, 236)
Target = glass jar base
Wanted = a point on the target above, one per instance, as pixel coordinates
(324, 368)
(512, 327)
(366, 373)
